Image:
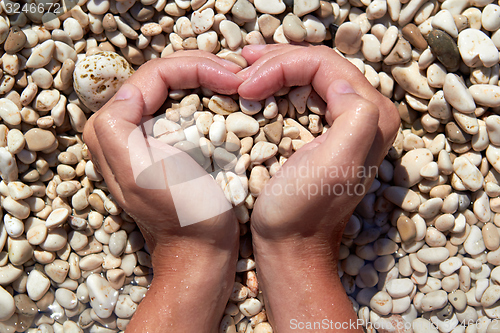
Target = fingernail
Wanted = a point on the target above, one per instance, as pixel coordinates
(125, 92)
(343, 87)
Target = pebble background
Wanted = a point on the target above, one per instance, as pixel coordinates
(422, 249)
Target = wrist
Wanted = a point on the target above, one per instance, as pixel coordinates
(217, 237)
(299, 251)
(179, 256)
(307, 273)
(191, 285)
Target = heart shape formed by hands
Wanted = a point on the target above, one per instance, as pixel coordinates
(134, 152)
(178, 205)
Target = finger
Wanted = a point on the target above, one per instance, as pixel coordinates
(256, 55)
(335, 158)
(349, 139)
(252, 53)
(229, 65)
(322, 67)
(114, 118)
(156, 77)
(317, 65)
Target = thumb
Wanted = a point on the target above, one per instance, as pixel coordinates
(107, 133)
(127, 104)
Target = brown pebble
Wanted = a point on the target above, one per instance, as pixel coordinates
(133, 55)
(455, 134)
(417, 128)
(412, 34)
(268, 25)
(39, 139)
(461, 21)
(444, 48)
(325, 9)
(142, 13)
(21, 80)
(406, 113)
(406, 228)
(107, 46)
(273, 132)
(109, 22)
(15, 41)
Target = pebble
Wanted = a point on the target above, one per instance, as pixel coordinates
(20, 251)
(98, 77)
(410, 79)
(263, 151)
(490, 296)
(9, 112)
(445, 48)
(293, 28)
(458, 299)
(476, 48)
(9, 274)
(202, 21)
(241, 124)
(457, 94)
(485, 94)
(348, 38)
(103, 297)
(125, 307)
(434, 300)
(56, 218)
(15, 40)
(451, 115)
(37, 285)
(414, 36)
(469, 174)
(250, 307)
(303, 7)
(398, 288)
(231, 33)
(407, 229)
(39, 139)
(491, 237)
(41, 55)
(407, 169)
(381, 303)
(490, 17)
(403, 197)
(400, 54)
(57, 270)
(433, 255)
(474, 243)
(7, 304)
(272, 7)
(66, 298)
(244, 10)
(443, 20)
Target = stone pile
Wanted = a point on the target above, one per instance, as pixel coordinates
(422, 249)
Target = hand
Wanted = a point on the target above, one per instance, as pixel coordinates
(363, 124)
(119, 150)
(298, 219)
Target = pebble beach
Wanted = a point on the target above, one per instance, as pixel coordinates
(420, 254)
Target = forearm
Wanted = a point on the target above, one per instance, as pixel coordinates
(189, 291)
(302, 290)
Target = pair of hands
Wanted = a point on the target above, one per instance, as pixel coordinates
(363, 124)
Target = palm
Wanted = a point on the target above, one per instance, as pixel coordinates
(303, 189)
